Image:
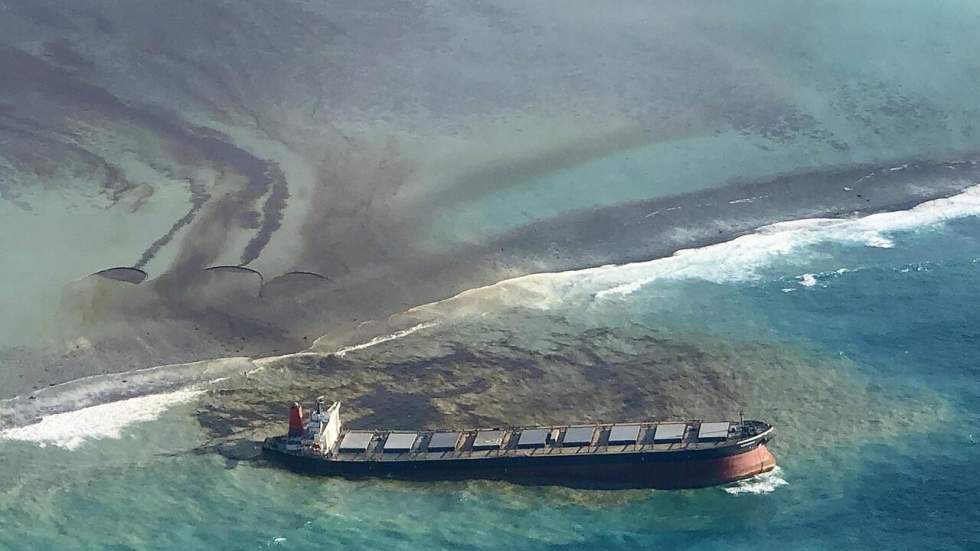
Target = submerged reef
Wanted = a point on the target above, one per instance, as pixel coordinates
(540, 369)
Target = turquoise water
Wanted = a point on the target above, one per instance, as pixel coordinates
(895, 328)
(463, 122)
(880, 80)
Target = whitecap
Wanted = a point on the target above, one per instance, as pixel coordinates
(656, 212)
(808, 280)
(740, 259)
(764, 483)
(874, 239)
(113, 387)
(747, 200)
(382, 339)
(71, 429)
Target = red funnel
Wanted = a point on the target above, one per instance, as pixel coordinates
(296, 427)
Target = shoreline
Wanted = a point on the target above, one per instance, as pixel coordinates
(288, 322)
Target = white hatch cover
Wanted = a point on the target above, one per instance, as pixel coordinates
(488, 439)
(400, 441)
(669, 432)
(533, 438)
(624, 434)
(442, 441)
(356, 441)
(578, 436)
(713, 431)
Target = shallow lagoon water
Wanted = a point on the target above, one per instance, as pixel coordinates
(900, 316)
(859, 345)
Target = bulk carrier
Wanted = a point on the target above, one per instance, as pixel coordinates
(666, 455)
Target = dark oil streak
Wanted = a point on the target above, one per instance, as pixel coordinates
(271, 214)
(199, 196)
(199, 143)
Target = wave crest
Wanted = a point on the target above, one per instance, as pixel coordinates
(764, 483)
(71, 429)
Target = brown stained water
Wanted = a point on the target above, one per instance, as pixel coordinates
(816, 358)
(401, 153)
(484, 373)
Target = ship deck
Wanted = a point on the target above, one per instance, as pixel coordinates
(537, 441)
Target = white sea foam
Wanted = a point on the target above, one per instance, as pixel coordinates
(101, 406)
(764, 483)
(382, 339)
(735, 260)
(113, 387)
(71, 429)
(747, 200)
(811, 280)
(656, 212)
(808, 280)
(739, 259)
(873, 239)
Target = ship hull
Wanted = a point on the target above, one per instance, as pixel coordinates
(660, 470)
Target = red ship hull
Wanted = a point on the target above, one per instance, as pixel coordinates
(711, 472)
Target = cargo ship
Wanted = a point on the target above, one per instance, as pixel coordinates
(650, 454)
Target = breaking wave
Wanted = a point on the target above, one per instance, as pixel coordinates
(38, 414)
(808, 280)
(71, 429)
(764, 483)
(116, 387)
(739, 259)
(382, 339)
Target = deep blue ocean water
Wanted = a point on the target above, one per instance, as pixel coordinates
(895, 329)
